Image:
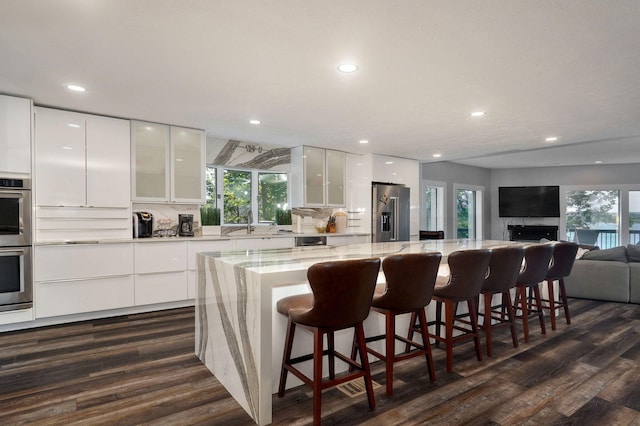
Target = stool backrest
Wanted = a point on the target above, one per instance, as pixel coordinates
(564, 254)
(342, 292)
(536, 263)
(504, 268)
(410, 280)
(468, 269)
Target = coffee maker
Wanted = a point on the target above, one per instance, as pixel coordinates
(185, 225)
(142, 225)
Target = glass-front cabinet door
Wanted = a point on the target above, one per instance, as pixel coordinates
(150, 158)
(187, 158)
(335, 177)
(314, 176)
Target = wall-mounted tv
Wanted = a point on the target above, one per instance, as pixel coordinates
(529, 201)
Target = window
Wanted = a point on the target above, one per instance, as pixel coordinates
(468, 208)
(432, 216)
(634, 217)
(592, 217)
(263, 194)
(272, 195)
(211, 187)
(237, 196)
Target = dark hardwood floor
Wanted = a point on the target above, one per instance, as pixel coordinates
(141, 369)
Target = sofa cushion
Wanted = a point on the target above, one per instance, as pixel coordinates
(634, 282)
(593, 279)
(615, 254)
(633, 252)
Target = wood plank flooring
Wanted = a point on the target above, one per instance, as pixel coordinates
(140, 369)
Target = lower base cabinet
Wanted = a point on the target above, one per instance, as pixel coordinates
(161, 288)
(160, 272)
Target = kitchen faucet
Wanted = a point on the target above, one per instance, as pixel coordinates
(249, 221)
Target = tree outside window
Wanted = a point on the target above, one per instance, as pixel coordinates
(592, 217)
(237, 196)
(272, 195)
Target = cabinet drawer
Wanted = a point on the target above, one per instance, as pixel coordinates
(69, 262)
(160, 288)
(160, 257)
(74, 297)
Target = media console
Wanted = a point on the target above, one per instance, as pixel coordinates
(532, 232)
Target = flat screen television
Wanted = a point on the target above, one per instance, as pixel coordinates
(529, 201)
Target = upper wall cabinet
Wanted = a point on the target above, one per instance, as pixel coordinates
(168, 163)
(81, 160)
(318, 177)
(15, 134)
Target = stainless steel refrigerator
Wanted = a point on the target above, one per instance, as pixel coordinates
(390, 209)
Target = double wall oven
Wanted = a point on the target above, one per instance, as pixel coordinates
(16, 281)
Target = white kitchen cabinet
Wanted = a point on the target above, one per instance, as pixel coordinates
(160, 272)
(15, 134)
(168, 163)
(358, 192)
(79, 278)
(318, 177)
(81, 160)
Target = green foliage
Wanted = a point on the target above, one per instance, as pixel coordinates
(237, 196)
(283, 217)
(587, 208)
(272, 195)
(210, 215)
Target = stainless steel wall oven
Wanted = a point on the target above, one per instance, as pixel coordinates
(16, 280)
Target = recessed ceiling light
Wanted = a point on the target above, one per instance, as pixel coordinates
(75, 126)
(478, 113)
(256, 122)
(551, 139)
(76, 88)
(599, 162)
(363, 141)
(347, 68)
(437, 155)
(388, 162)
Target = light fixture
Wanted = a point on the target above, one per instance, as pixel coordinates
(67, 148)
(75, 126)
(599, 162)
(256, 122)
(478, 113)
(437, 155)
(551, 139)
(364, 141)
(388, 162)
(347, 68)
(76, 88)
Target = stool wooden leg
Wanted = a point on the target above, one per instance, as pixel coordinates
(412, 329)
(473, 316)
(439, 319)
(552, 307)
(427, 344)
(286, 357)
(506, 301)
(538, 302)
(522, 299)
(318, 337)
(487, 322)
(390, 340)
(364, 361)
(450, 313)
(331, 355)
(565, 302)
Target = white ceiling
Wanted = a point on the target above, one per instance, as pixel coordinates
(538, 68)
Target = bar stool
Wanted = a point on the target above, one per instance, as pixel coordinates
(564, 255)
(467, 271)
(536, 264)
(342, 293)
(410, 281)
(504, 269)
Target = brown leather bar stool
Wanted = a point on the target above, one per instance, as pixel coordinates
(564, 255)
(467, 271)
(342, 293)
(410, 281)
(528, 300)
(504, 269)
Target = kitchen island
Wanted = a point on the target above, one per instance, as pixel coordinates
(239, 334)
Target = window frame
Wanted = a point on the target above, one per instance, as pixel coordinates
(478, 210)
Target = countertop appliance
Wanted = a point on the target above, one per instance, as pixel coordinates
(185, 225)
(311, 241)
(390, 209)
(16, 283)
(142, 225)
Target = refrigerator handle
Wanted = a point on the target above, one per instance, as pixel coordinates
(394, 209)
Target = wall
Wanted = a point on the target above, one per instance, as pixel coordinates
(596, 175)
(451, 173)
